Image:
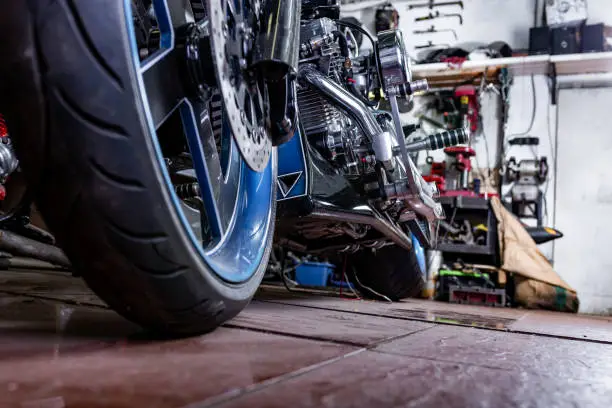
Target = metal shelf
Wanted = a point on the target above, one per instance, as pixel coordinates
(591, 63)
(571, 64)
(467, 249)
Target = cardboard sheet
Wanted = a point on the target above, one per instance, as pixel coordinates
(520, 254)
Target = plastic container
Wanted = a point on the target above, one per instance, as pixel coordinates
(313, 273)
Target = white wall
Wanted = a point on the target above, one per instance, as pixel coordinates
(484, 21)
(584, 196)
(580, 256)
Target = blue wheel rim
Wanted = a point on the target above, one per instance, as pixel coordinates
(237, 202)
(420, 254)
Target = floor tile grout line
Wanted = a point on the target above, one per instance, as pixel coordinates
(241, 392)
(415, 319)
(326, 339)
(506, 330)
(293, 335)
(399, 336)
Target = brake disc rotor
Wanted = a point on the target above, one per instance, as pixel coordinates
(230, 40)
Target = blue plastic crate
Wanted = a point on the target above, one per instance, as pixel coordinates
(313, 273)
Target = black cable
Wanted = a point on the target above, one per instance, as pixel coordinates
(358, 28)
(344, 50)
(555, 168)
(367, 34)
(553, 150)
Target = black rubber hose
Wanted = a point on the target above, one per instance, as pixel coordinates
(367, 34)
(18, 245)
(344, 50)
(358, 28)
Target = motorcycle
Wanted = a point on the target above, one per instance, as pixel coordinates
(159, 139)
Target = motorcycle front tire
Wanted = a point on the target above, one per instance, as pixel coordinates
(97, 181)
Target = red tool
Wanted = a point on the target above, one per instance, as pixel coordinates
(452, 176)
(468, 103)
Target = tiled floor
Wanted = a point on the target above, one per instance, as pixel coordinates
(60, 347)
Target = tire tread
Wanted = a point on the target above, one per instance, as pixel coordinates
(87, 205)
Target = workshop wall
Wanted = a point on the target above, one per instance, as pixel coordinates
(584, 196)
(581, 209)
(484, 21)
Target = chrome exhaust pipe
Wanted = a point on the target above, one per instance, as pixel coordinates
(364, 216)
(382, 142)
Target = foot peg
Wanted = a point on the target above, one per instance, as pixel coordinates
(439, 141)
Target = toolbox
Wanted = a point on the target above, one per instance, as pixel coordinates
(448, 278)
(477, 296)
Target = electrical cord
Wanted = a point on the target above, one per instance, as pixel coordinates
(347, 280)
(370, 37)
(369, 288)
(285, 280)
(358, 28)
(283, 270)
(553, 152)
(351, 287)
(533, 112)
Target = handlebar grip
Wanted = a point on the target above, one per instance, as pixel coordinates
(447, 139)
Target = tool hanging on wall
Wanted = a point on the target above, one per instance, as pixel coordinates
(387, 18)
(437, 14)
(431, 4)
(527, 176)
(433, 29)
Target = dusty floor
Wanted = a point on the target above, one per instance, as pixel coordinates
(289, 350)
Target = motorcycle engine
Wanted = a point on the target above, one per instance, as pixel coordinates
(344, 124)
(8, 160)
(333, 133)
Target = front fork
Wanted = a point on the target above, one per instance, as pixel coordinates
(276, 60)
